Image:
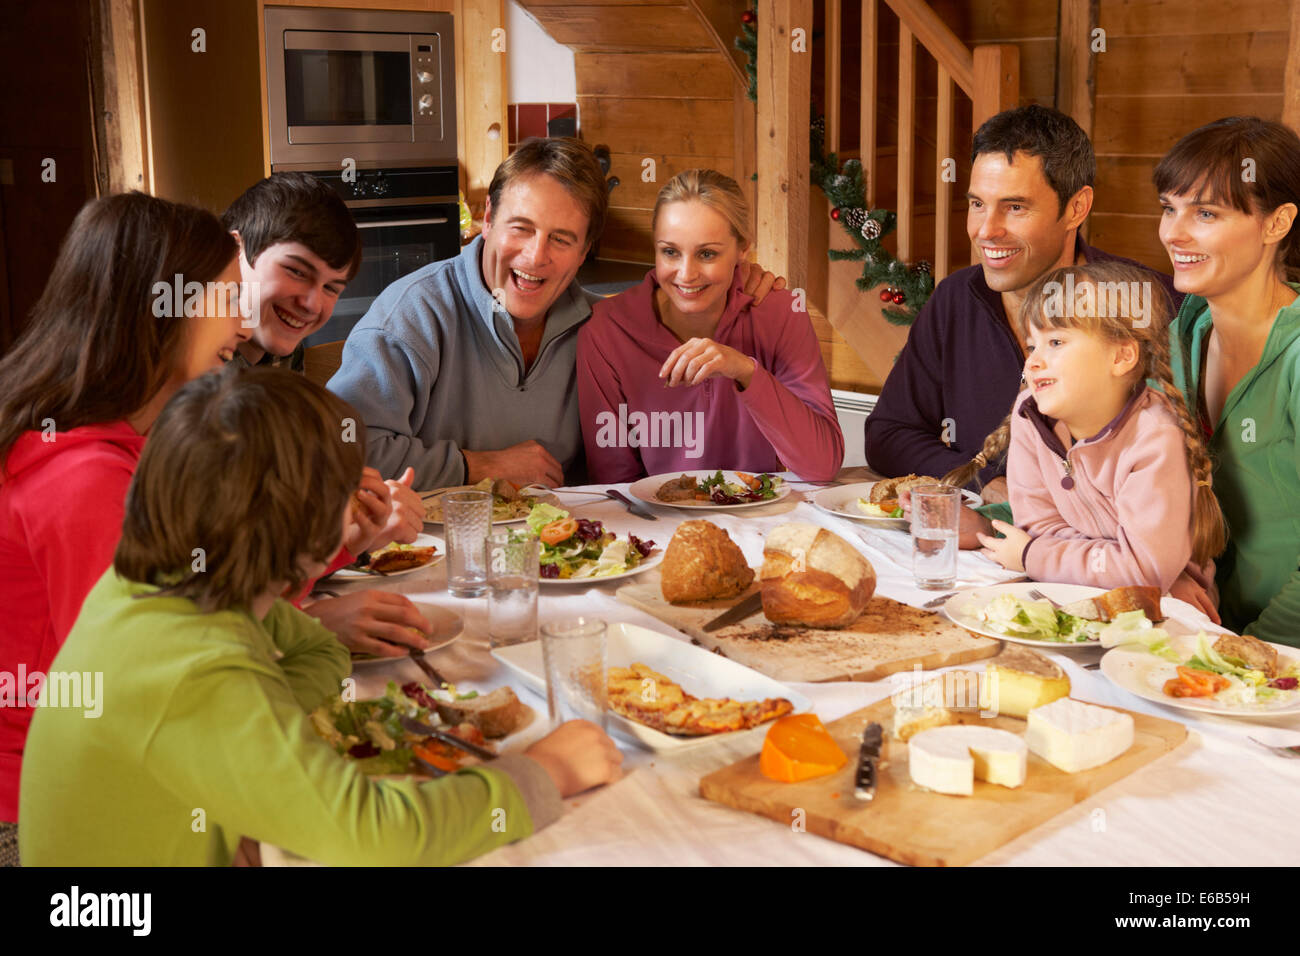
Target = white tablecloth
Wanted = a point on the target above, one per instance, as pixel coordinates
(1217, 799)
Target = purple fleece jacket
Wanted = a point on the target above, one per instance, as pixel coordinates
(956, 379)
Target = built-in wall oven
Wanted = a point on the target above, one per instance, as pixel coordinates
(366, 100)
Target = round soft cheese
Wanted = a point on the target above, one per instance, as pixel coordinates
(951, 759)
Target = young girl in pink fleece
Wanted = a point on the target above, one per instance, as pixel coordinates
(686, 372)
(1109, 478)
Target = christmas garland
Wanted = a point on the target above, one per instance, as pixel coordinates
(846, 188)
(906, 288)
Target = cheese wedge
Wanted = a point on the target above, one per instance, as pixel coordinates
(797, 748)
(1018, 680)
(951, 759)
(1075, 736)
(933, 702)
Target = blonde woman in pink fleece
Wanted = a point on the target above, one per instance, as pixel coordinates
(1109, 478)
(685, 371)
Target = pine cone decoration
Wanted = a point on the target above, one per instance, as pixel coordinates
(870, 229)
(855, 218)
(922, 267)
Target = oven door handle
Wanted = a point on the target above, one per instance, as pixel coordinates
(435, 221)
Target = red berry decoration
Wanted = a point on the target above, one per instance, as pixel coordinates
(835, 214)
(886, 294)
(899, 298)
(749, 16)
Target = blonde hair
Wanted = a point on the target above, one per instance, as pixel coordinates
(1103, 284)
(569, 160)
(718, 192)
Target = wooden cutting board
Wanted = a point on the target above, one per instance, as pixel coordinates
(888, 637)
(918, 827)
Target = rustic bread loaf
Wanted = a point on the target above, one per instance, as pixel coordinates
(811, 576)
(497, 714)
(702, 563)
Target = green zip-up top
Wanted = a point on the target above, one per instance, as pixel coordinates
(1257, 472)
(203, 735)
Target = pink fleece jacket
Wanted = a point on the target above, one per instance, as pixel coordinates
(61, 508)
(785, 416)
(1111, 510)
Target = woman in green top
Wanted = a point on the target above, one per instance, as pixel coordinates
(1229, 194)
(184, 689)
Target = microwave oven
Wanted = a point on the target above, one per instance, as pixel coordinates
(374, 87)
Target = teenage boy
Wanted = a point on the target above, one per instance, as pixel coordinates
(298, 247)
(1032, 170)
(465, 369)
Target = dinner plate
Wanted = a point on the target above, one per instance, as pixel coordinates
(656, 556)
(421, 541)
(700, 673)
(1140, 672)
(956, 609)
(433, 512)
(841, 501)
(645, 489)
(447, 626)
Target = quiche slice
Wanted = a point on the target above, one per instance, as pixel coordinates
(648, 697)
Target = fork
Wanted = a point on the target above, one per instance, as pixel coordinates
(1292, 752)
(1038, 595)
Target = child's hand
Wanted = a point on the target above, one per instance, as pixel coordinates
(1005, 551)
(406, 519)
(578, 755)
(373, 622)
(368, 513)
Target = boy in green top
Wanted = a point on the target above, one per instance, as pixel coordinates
(203, 735)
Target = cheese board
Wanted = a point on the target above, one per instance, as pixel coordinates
(888, 637)
(919, 827)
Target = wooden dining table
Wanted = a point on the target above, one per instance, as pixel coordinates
(1216, 799)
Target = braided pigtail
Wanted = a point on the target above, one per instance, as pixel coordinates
(1209, 528)
(994, 445)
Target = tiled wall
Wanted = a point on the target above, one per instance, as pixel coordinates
(530, 119)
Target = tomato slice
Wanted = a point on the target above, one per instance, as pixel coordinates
(558, 531)
(440, 760)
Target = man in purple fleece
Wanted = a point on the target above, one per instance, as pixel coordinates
(957, 377)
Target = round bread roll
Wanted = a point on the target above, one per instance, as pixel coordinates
(814, 577)
(703, 563)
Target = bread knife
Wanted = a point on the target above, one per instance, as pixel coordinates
(864, 781)
(737, 612)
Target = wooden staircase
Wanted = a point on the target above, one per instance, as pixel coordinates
(660, 83)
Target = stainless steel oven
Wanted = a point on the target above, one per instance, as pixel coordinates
(408, 217)
(372, 87)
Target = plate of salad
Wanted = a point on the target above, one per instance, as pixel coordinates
(1007, 612)
(710, 490)
(579, 551)
(1209, 673)
(854, 501)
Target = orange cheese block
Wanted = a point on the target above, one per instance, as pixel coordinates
(799, 748)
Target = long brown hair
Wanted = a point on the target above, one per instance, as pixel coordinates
(244, 471)
(1212, 163)
(1117, 319)
(93, 351)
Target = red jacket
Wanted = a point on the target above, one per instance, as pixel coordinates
(61, 507)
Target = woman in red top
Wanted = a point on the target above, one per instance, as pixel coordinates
(103, 353)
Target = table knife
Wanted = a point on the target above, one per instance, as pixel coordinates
(430, 671)
(737, 612)
(632, 506)
(864, 780)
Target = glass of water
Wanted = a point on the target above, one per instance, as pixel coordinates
(936, 513)
(466, 516)
(512, 587)
(576, 685)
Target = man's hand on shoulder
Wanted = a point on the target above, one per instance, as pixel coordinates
(525, 464)
(757, 282)
(995, 492)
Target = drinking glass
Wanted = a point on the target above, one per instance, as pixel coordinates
(936, 513)
(512, 587)
(466, 516)
(576, 684)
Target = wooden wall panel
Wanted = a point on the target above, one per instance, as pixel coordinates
(634, 192)
(631, 27)
(697, 75)
(1149, 125)
(647, 125)
(1210, 63)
